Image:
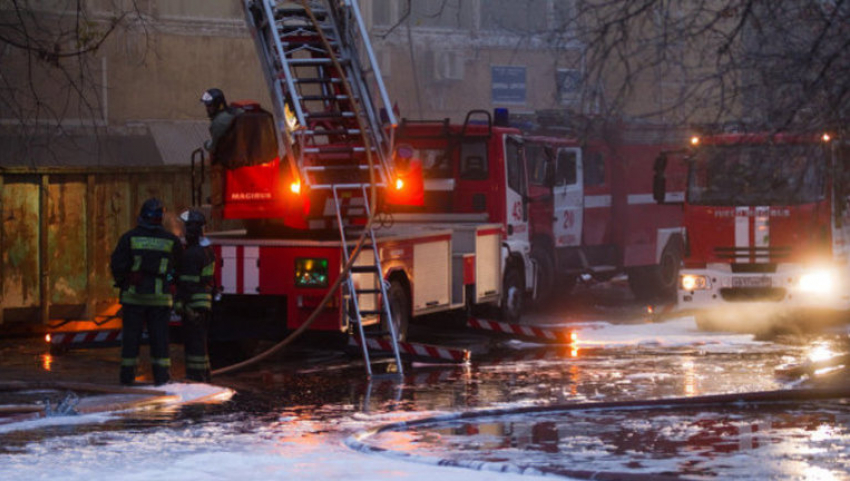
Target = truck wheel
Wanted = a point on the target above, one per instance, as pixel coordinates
(668, 270)
(545, 273)
(399, 309)
(512, 295)
(658, 281)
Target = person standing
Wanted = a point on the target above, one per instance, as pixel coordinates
(195, 285)
(221, 118)
(143, 266)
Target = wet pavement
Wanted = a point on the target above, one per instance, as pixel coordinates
(307, 396)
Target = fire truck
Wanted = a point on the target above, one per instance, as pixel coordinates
(766, 216)
(593, 214)
(322, 182)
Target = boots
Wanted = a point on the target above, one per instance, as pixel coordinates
(127, 375)
(161, 375)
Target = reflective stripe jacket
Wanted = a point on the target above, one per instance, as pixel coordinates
(144, 263)
(195, 280)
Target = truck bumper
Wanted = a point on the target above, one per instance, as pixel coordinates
(719, 293)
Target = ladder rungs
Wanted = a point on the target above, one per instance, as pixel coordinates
(328, 132)
(282, 12)
(324, 97)
(330, 115)
(368, 291)
(317, 80)
(301, 62)
(335, 150)
(370, 313)
(308, 43)
(364, 269)
(325, 168)
(377, 333)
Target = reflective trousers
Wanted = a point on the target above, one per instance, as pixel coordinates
(195, 329)
(135, 319)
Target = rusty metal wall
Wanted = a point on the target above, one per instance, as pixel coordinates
(59, 227)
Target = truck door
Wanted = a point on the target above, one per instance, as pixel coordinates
(516, 192)
(568, 197)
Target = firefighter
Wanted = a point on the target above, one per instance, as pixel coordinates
(143, 266)
(195, 285)
(221, 118)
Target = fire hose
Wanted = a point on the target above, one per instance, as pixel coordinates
(358, 441)
(360, 241)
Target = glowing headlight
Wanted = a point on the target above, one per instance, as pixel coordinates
(820, 282)
(691, 282)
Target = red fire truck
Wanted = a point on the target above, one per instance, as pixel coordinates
(323, 193)
(592, 211)
(767, 229)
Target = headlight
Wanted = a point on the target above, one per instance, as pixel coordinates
(690, 282)
(818, 282)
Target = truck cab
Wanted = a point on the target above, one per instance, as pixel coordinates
(766, 230)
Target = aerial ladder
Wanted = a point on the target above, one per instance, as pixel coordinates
(334, 135)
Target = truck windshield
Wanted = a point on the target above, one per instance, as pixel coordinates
(757, 174)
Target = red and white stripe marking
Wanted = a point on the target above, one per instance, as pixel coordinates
(563, 336)
(100, 336)
(85, 337)
(415, 349)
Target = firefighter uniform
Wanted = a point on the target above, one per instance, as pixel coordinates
(143, 266)
(195, 285)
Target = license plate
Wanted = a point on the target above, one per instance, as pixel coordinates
(751, 282)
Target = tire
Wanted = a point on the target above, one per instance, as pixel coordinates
(545, 273)
(658, 281)
(513, 294)
(399, 302)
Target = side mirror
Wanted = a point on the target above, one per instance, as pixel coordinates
(659, 180)
(659, 187)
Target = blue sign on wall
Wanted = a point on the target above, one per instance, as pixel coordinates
(507, 84)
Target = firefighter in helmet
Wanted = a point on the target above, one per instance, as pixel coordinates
(143, 266)
(195, 285)
(221, 118)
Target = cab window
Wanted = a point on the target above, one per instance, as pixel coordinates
(565, 173)
(516, 177)
(537, 157)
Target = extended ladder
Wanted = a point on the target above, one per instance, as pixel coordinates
(318, 83)
(367, 298)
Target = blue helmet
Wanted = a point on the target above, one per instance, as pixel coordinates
(151, 212)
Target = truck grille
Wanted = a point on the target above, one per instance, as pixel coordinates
(745, 254)
(764, 268)
(751, 294)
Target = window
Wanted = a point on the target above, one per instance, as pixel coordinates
(569, 83)
(455, 14)
(517, 16)
(537, 157)
(473, 161)
(516, 175)
(565, 174)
